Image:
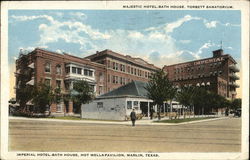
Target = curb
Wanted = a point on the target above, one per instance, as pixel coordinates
(205, 120)
(113, 123)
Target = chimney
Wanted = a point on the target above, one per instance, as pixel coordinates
(218, 53)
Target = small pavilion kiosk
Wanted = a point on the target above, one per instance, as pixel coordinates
(118, 104)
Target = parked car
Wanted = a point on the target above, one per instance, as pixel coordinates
(231, 114)
(237, 113)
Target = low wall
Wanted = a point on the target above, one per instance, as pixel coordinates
(111, 109)
(103, 115)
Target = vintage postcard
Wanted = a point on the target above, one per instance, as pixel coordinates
(125, 80)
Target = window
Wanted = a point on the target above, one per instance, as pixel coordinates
(135, 71)
(129, 104)
(99, 104)
(88, 72)
(73, 69)
(47, 82)
(149, 75)
(85, 72)
(121, 67)
(113, 65)
(67, 84)
(58, 69)
(132, 70)
(123, 80)
(136, 105)
(79, 71)
(202, 67)
(116, 79)
(91, 73)
(120, 80)
(109, 78)
(128, 69)
(116, 66)
(58, 83)
(113, 79)
(108, 63)
(47, 67)
(67, 70)
(58, 107)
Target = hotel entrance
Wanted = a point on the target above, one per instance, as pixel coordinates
(145, 108)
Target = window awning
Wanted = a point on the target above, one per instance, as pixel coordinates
(29, 103)
(31, 65)
(31, 82)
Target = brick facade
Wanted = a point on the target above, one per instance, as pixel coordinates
(121, 69)
(60, 70)
(216, 74)
(108, 70)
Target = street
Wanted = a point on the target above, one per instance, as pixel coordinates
(213, 136)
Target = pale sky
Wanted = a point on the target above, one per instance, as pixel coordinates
(161, 37)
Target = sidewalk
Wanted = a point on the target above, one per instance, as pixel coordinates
(144, 121)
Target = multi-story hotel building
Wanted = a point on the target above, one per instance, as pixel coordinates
(121, 69)
(216, 74)
(104, 71)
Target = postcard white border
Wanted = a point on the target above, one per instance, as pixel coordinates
(243, 6)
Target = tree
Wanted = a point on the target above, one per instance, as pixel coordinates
(235, 104)
(159, 89)
(24, 74)
(82, 93)
(43, 97)
(187, 96)
(172, 95)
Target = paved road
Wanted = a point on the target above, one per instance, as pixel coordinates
(213, 136)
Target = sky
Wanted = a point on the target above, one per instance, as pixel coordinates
(161, 37)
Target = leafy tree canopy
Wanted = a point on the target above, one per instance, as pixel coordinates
(42, 97)
(82, 92)
(159, 88)
(236, 104)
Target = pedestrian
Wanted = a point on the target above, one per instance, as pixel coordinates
(133, 117)
(151, 113)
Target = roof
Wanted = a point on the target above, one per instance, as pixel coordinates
(188, 62)
(136, 60)
(134, 88)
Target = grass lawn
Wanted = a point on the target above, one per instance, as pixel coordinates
(184, 120)
(78, 118)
